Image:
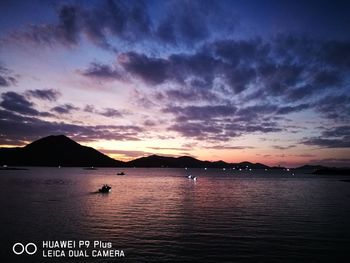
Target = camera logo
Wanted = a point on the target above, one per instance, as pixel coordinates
(29, 248)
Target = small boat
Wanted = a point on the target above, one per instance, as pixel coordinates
(105, 189)
(194, 178)
(121, 173)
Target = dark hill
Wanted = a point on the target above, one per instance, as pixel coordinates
(164, 161)
(252, 165)
(333, 171)
(60, 150)
(187, 161)
(310, 167)
(55, 151)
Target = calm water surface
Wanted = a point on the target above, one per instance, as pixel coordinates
(158, 215)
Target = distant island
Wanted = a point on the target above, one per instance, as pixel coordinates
(56, 151)
(59, 150)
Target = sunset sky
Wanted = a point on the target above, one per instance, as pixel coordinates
(260, 81)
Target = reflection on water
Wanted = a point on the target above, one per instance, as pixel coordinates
(158, 215)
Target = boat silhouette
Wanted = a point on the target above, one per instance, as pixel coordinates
(105, 189)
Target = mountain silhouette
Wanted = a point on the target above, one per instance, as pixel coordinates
(187, 161)
(311, 167)
(164, 161)
(59, 150)
(56, 151)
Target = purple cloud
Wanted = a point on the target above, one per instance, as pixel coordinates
(44, 94)
(64, 109)
(15, 102)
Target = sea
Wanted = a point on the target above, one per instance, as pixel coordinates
(159, 215)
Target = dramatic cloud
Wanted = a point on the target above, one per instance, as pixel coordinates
(192, 94)
(284, 75)
(255, 112)
(337, 137)
(6, 77)
(219, 130)
(178, 68)
(197, 93)
(15, 127)
(64, 109)
(151, 70)
(337, 131)
(149, 123)
(280, 68)
(198, 130)
(326, 79)
(240, 52)
(108, 18)
(15, 102)
(244, 115)
(192, 22)
(101, 71)
(278, 147)
(201, 112)
(329, 143)
(109, 112)
(181, 23)
(44, 94)
(89, 108)
(4, 82)
(227, 121)
(290, 109)
(334, 107)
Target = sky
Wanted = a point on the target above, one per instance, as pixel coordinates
(261, 81)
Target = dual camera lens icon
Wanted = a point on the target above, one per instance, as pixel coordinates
(29, 248)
